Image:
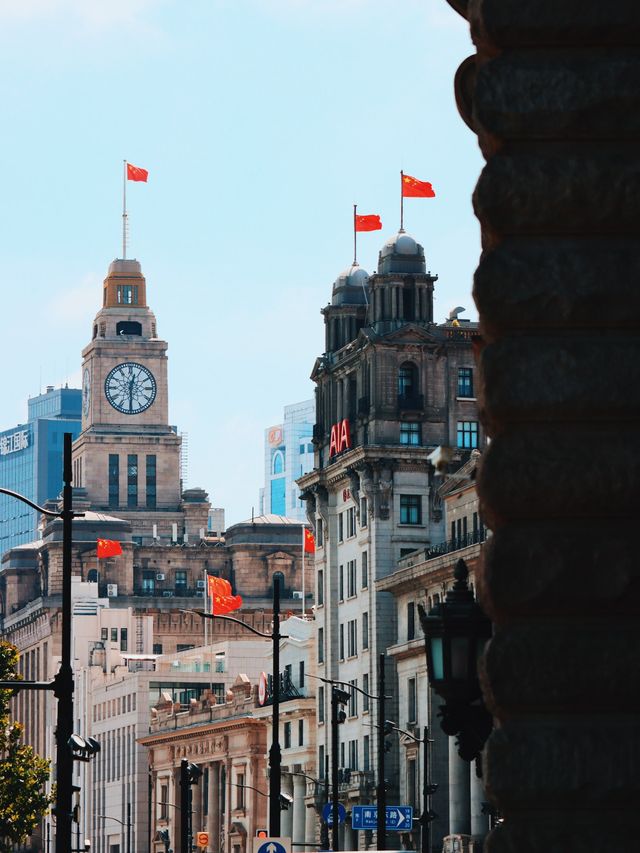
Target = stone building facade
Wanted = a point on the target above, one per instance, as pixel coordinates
(391, 386)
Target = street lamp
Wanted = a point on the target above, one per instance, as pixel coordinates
(126, 824)
(275, 752)
(456, 632)
(428, 787)
(62, 684)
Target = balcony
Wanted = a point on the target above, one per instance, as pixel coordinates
(473, 538)
(410, 402)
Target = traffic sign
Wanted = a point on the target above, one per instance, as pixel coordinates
(327, 813)
(398, 818)
(202, 839)
(271, 845)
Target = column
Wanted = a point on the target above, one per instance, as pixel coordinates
(479, 821)
(310, 823)
(213, 806)
(459, 794)
(299, 808)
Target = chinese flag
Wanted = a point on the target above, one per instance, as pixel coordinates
(222, 601)
(309, 542)
(108, 548)
(413, 188)
(371, 222)
(135, 173)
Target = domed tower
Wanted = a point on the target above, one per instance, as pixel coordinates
(346, 314)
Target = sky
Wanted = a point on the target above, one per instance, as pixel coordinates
(261, 123)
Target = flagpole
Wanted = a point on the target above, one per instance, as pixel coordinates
(401, 200)
(124, 210)
(303, 543)
(355, 252)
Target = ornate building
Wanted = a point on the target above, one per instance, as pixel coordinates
(391, 386)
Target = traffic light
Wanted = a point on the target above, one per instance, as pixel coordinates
(431, 789)
(340, 697)
(428, 816)
(285, 801)
(262, 833)
(189, 773)
(388, 728)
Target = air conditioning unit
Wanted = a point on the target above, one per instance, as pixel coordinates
(112, 590)
(297, 594)
(160, 576)
(199, 584)
(167, 593)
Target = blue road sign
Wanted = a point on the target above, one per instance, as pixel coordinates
(327, 814)
(398, 818)
(271, 846)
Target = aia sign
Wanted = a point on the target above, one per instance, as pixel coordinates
(340, 438)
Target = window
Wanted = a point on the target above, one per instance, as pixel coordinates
(300, 732)
(342, 761)
(351, 578)
(411, 782)
(365, 687)
(181, 580)
(114, 635)
(164, 802)
(127, 294)
(409, 433)
(321, 703)
(407, 380)
(104, 634)
(411, 620)
(363, 512)
(465, 382)
(123, 639)
(240, 790)
(351, 521)
(157, 648)
(353, 698)
(301, 674)
(319, 532)
(148, 582)
(341, 583)
(151, 481)
(114, 480)
(287, 735)
(320, 590)
(365, 630)
(353, 754)
(132, 479)
(353, 638)
(277, 464)
(467, 435)
(321, 763)
(365, 569)
(412, 705)
(341, 643)
(340, 527)
(366, 753)
(320, 645)
(410, 509)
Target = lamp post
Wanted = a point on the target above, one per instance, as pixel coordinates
(456, 631)
(62, 684)
(275, 752)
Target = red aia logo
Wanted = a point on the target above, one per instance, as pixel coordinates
(340, 438)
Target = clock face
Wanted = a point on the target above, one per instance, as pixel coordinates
(86, 392)
(130, 388)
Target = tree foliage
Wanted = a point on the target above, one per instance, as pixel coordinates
(23, 774)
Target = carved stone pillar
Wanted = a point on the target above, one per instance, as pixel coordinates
(299, 808)
(553, 95)
(213, 806)
(459, 793)
(286, 817)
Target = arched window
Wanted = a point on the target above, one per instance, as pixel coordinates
(407, 380)
(277, 463)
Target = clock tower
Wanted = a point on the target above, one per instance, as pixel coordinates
(127, 457)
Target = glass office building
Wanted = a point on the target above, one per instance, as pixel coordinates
(31, 461)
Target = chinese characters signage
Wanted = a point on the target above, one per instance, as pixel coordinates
(340, 438)
(18, 440)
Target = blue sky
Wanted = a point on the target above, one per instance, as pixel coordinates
(261, 123)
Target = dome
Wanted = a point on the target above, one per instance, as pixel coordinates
(349, 288)
(401, 254)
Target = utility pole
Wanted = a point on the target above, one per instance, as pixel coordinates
(189, 775)
(338, 716)
(275, 753)
(381, 793)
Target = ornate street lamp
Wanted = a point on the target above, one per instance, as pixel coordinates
(456, 631)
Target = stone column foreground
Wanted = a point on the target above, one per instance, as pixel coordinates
(554, 97)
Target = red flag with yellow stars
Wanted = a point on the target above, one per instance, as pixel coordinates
(108, 548)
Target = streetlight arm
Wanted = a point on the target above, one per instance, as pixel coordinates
(238, 622)
(404, 732)
(249, 787)
(346, 684)
(109, 817)
(36, 506)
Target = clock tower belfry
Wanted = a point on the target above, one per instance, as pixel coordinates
(127, 457)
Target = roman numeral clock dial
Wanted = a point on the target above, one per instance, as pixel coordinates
(130, 388)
